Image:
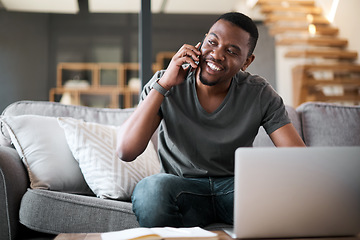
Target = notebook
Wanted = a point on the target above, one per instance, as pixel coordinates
(297, 192)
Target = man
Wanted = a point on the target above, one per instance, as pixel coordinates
(205, 112)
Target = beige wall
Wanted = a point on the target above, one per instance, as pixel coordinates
(347, 19)
(344, 14)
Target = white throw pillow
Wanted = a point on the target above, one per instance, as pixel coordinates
(41, 144)
(94, 146)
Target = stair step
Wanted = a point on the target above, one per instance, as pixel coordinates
(320, 30)
(339, 67)
(274, 18)
(342, 98)
(316, 41)
(328, 54)
(288, 2)
(292, 9)
(335, 81)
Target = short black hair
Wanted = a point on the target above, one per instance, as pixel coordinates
(246, 23)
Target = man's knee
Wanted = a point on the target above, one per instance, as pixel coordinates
(153, 200)
(153, 186)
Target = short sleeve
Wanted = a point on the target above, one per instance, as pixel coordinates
(273, 110)
(147, 87)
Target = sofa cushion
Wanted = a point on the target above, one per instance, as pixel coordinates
(58, 212)
(41, 144)
(94, 147)
(262, 139)
(327, 124)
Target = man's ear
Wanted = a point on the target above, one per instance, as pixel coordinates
(248, 61)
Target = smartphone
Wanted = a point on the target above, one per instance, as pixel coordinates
(199, 48)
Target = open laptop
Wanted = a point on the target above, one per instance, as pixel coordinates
(297, 192)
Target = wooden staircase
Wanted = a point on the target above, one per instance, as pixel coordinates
(329, 72)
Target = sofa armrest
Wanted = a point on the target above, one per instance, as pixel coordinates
(13, 184)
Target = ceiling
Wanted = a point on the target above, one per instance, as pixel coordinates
(131, 6)
(48, 6)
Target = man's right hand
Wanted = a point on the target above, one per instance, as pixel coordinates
(175, 72)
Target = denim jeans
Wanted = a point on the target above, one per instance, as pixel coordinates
(168, 200)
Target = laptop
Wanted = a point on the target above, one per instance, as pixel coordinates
(296, 192)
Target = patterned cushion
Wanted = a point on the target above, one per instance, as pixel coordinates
(94, 147)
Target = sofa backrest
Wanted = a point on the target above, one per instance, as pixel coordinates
(100, 115)
(106, 116)
(326, 124)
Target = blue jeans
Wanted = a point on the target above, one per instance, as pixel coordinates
(169, 200)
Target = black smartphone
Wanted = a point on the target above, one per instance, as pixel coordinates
(199, 48)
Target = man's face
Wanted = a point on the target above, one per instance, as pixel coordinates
(224, 53)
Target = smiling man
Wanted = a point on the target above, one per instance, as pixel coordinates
(205, 111)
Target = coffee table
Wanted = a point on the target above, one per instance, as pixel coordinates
(222, 236)
(97, 236)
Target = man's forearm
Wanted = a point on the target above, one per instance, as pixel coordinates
(136, 132)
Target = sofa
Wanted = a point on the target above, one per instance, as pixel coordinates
(30, 209)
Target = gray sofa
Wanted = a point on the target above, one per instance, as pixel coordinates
(28, 212)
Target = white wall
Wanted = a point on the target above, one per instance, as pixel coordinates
(345, 16)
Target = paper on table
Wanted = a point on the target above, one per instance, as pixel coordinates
(160, 233)
(134, 233)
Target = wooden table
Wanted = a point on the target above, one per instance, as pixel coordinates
(97, 236)
(222, 236)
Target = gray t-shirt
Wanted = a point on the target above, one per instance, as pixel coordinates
(195, 143)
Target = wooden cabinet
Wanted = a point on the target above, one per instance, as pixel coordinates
(109, 85)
